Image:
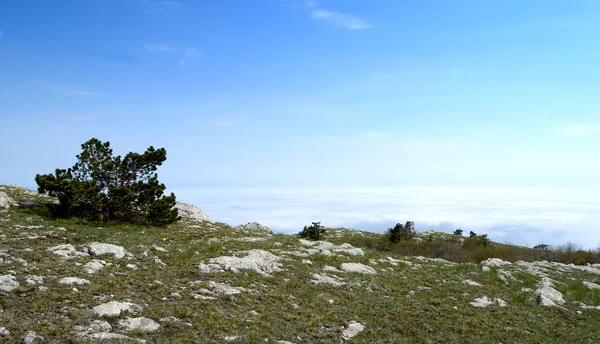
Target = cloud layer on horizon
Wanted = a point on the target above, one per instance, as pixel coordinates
(524, 216)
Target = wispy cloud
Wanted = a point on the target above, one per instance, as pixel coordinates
(159, 6)
(581, 129)
(61, 88)
(191, 53)
(160, 47)
(345, 20)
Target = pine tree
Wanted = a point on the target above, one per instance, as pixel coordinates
(102, 187)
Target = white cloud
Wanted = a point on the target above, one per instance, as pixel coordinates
(191, 52)
(522, 215)
(346, 20)
(581, 129)
(158, 47)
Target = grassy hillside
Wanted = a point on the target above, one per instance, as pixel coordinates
(396, 298)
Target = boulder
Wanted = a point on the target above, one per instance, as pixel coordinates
(352, 330)
(141, 324)
(94, 266)
(358, 267)
(8, 283)
(115, 308)
(547, 295)
(254, 227)
(192, 212)
(73, 281)
(495, 262)
(99, 249)
(260, 261)
(6, 201)
(32, 337)
(67, 251)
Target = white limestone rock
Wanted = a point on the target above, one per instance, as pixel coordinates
(8, 283)
(73, 281)
(67, 251)
(94, 266)
(222, 288)
(140, 324)
(254, 227)
(4, 332)
(352, 330)
(192, 212)
(495, 262)
(115, 308)
(261, 261)
(100, 249)
(591, 285)
(6, 201)
(472, 283)
(326, 279)
(32, 337)
(547, 295)
(485, 301)
(358, 267)
(34, 280)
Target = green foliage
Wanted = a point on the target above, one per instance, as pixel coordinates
(472, 234)
(474, 241)
(103, 187)
(313, 231)
(400, 232)
(458, 232)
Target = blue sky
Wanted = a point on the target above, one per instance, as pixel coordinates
(273, 93)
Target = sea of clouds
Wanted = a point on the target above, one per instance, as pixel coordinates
(519, 215)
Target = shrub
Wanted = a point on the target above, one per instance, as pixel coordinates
(474, 241)
(102, 187)
(458, 232)
(472, 234)
(400, 232)
(313, 231)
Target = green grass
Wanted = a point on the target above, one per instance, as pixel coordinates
(393, 305)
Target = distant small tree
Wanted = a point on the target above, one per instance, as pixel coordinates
(313, 231)
(402, 232)
(476, 241)
(472, 234)
(458, 232)
(103, 187)
(543, 247)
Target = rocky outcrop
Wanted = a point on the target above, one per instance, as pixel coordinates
(6, 201)
(192, 212)
(143, 325)
(358, 267)
(254, 227)
(547, 295)
(8, 283)
(260, 261)
(115, 308)
(100, 249)
(352, 330)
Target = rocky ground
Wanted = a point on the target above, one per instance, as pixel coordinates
(62, 281)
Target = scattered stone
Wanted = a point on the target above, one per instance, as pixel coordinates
(331, 268)
(144, 325)
(108, 336)
(547, 295)
(306, 261)
(486, 269)
(8, 283)
(473, 283)
(591, 285)
(4, 332)
(131, 266)
(254, 227)
(325, 279)
(94, 266)
(34, 280)
(222, 288)
(358, 267)
(32, 337)
(231, 338)
(325, 248)
(73, 281)
(486, 301)
(159, 249)
(115, 308)
(158, 261)
(67, 251)
(99, 249)
(6, 201)
(352, 330)
(261, 261)
(495, 262)
(192, 212)
(505, 276)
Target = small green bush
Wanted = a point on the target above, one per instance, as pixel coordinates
(313, 231)
(458, 232)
